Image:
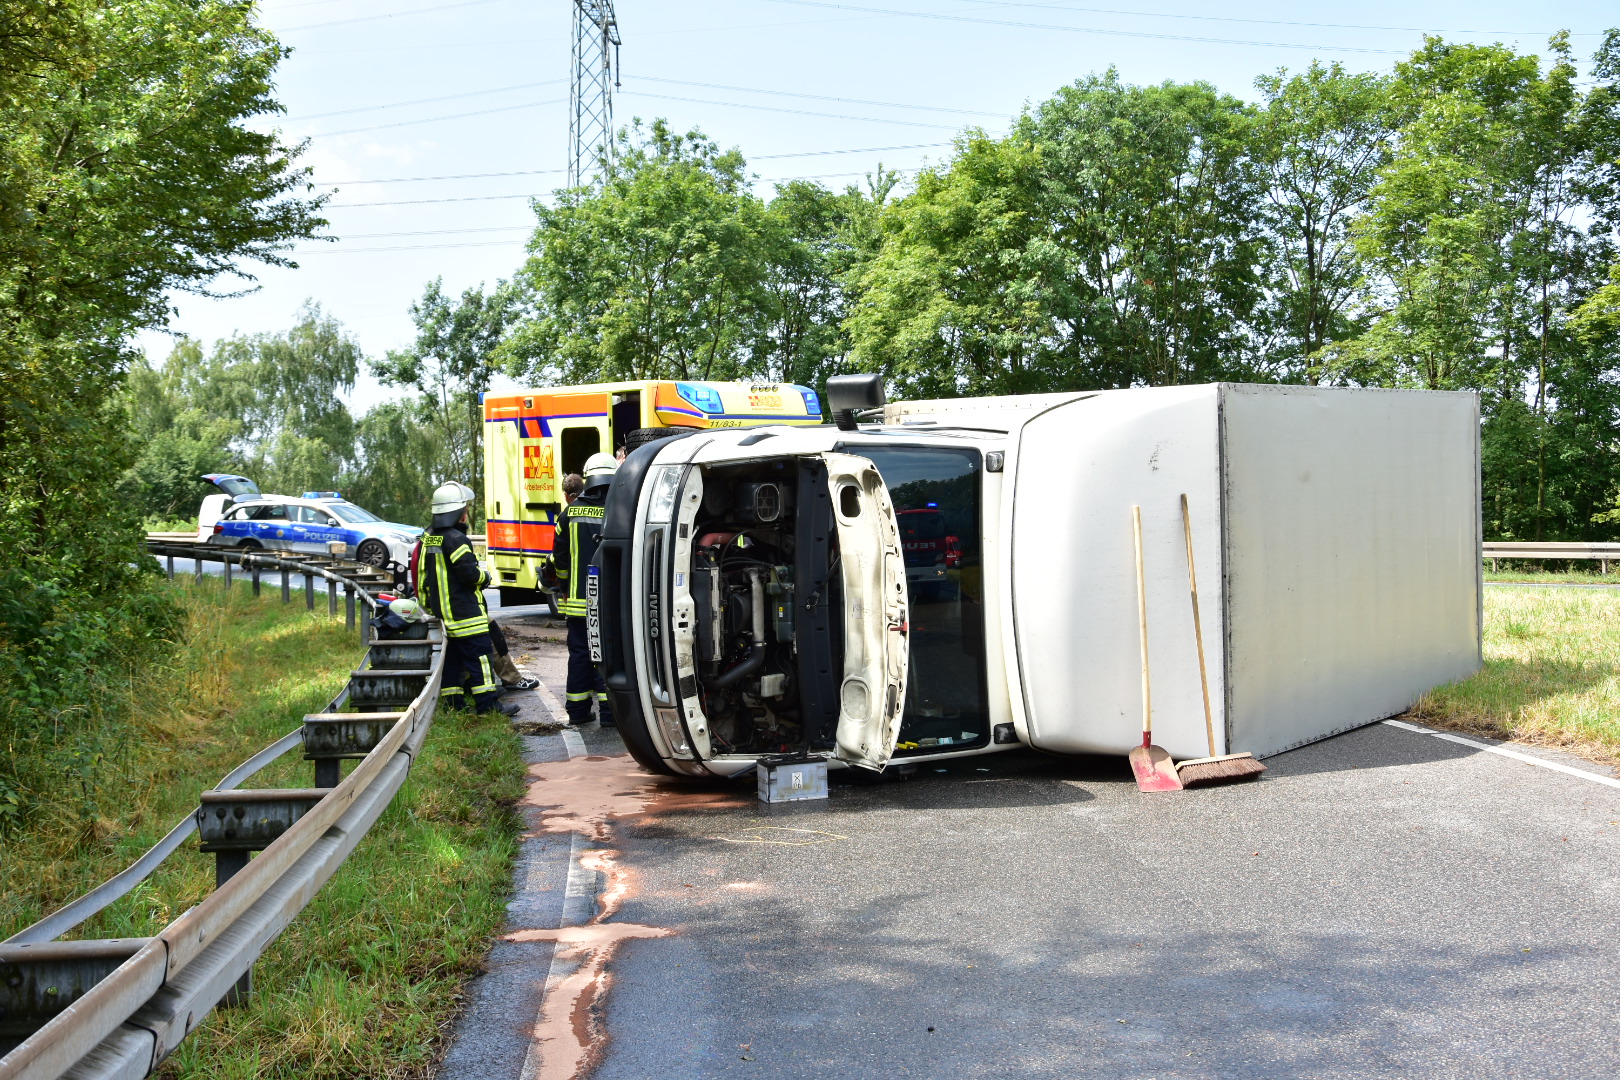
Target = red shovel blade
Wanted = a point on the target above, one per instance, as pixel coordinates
(1154, 770)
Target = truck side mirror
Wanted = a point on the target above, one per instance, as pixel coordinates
(848, 394)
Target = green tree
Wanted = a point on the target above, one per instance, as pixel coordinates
(814, 239)
(945, 306)
(268, 405)
(450, 365)
(1482, 234)
(399, 462)
(1111, 238)
(127, 170)
(650, 275)
(179, 439)
(1320, 140)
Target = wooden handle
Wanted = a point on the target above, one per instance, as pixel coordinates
(1141, 613)
(1198, 628)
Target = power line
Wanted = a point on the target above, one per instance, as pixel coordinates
(545, 172)
(424, 101)
(424, 202)
(1085, 29)
(437, 232)
(543, 194)
(461, 176)
(391, 15)
(794, 112)
(404, 247)
(819, 97)
(435, 119)
(1261, 22)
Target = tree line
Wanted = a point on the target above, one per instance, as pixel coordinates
(1449, 224)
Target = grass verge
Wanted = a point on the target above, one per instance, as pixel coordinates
(1554, 577)
(366, 980)
(1551, 674)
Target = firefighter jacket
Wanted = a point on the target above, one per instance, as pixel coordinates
(450, 582)
(579, 530)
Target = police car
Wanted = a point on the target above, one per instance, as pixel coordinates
(311, 522)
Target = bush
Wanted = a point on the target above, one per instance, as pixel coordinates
(64, 655)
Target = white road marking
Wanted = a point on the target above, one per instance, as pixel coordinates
(579, 897)
(1505, 752)
(574, 741)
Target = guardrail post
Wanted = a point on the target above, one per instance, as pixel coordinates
(331, 602)
(255, 577)
(309, 591)
(227, 559)
(226, 865)
(196, 562)
(232, 825)
(348, 606)
(171, 564)
(286, 583)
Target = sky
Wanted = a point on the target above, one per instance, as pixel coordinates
(432, 124)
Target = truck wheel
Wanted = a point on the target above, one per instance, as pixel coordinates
(373, 553)
(641, 436)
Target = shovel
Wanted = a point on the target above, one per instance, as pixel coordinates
(1151, 764)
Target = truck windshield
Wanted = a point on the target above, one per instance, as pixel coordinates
(936, 495)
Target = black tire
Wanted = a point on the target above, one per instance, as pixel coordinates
(641, 436)
(372, 552)
(251, 545)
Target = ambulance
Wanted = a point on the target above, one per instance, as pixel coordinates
(534, 438)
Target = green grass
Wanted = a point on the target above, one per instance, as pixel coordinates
(366, 979)
(1586, 575)
(1551, 675)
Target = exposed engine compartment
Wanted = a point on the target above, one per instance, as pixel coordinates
(746, 563)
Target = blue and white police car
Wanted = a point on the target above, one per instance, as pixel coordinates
(312, 523)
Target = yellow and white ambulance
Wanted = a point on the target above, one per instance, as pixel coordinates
(534, 438)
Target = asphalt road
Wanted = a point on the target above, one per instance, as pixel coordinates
(1380, 904)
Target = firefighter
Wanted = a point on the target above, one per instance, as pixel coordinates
(450, 584)
(579, 530)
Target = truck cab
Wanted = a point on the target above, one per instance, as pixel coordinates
(755, 597)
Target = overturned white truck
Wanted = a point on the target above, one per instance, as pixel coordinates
(960, 578)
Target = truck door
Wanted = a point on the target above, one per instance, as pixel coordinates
(876, 632)
(626, 416)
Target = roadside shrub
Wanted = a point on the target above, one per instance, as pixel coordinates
(64, 654)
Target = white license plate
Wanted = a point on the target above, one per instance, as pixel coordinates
(593, 617)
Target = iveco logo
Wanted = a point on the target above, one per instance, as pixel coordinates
(652, 615)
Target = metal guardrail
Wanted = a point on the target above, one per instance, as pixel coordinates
(1602, 552)
(103, 1009)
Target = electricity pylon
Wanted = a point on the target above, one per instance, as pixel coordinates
(595, 74)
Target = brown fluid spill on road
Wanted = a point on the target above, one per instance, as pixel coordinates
(568, 1036)
(589, 796)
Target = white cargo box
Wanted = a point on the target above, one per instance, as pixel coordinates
(1337, 536)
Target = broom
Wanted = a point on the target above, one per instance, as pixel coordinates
(1227, 768)
(1151, 764)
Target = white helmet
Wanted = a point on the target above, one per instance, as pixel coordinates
(449, 500)
(599, 470)
(407, 609)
